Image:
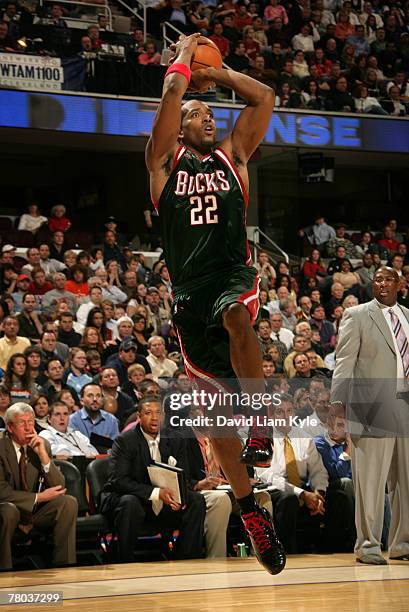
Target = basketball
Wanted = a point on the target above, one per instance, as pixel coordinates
(207, 55)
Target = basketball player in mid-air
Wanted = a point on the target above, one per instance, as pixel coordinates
(200, 191)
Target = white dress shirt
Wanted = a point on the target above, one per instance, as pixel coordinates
(153, 443)
(314, 430)
(405, 326)
(161, 367)
(71, 443)
(286, 336)
(309, 464)
(83, 311)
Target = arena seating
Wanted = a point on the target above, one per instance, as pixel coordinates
(326, 55)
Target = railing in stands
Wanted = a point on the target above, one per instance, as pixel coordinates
(101, 9)
(167, 40)
(135, 13)
(254, 233)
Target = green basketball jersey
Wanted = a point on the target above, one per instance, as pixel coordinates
(202, 212)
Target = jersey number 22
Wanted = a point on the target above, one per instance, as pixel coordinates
(204, 210)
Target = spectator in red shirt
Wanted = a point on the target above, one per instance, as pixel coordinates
(243, 18)
(251, 44)
(93, 33)
(39, 285)
(322, 63)
(343, 28)
(221, 41)
(151, 54)
(78, 285)
(388, 241)
(274, 10)
(58, 221)
(313, 265)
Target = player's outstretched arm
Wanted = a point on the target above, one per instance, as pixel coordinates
(253, 120)
(167, 120)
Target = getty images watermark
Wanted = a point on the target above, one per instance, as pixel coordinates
(201, 408)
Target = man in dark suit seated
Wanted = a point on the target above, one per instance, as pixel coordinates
(32, 492)
(132, 501)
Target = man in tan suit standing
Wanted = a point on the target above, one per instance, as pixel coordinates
(32, 492)
(371, 378)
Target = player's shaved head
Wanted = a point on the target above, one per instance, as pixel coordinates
(197, 128)
(191, 105)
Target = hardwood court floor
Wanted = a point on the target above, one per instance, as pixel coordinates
(318, 583)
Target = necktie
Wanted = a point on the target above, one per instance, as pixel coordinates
(154, 450)
(278, 336)
(212, 467)
(157, 504)
(293, 475)
(22, 467)
(401, 341)
(26, 518)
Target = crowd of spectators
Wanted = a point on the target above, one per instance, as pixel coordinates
(86, 336)
(322, 55)
(350, 56)
(77, 32)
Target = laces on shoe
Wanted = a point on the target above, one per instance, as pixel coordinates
(259, 529)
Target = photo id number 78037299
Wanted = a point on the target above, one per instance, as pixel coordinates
(52, 598)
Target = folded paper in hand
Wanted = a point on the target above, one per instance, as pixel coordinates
(169, 477)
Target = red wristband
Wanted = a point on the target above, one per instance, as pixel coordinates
(181, 69)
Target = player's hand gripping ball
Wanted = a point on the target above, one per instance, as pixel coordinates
(207, 55)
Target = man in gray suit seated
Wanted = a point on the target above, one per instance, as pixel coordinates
(32, 492)
(371, 378)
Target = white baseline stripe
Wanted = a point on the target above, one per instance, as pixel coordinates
(222, 580)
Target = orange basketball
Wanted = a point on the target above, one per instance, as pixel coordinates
(207, 55)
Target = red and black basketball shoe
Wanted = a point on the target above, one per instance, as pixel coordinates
(268, 548)
(258, 451)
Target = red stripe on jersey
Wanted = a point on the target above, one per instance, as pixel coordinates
(195, 372)
(178, 156)
(250, 300)
(225, 158)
